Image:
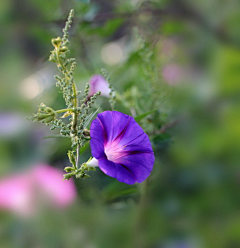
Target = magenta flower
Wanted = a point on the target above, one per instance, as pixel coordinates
(23, 193)
(16, 194)
(61, 193)
(121, 147)
(98, 83)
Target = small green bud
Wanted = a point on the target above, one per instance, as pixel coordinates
(63, 49)
(72, 158)
(52, 58)
(60, 67)
(68, 175)
(49, 110)
(56, 42)
(69, 169)
(82, 175)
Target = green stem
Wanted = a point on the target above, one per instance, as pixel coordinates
(78, 148)
(64, 110)
(73, 85)
(75, 104)
(75, 95)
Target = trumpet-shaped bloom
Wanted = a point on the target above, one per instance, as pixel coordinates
(98, 83)
(121, 147)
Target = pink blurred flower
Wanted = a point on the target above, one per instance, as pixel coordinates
(16, 194)
(98, 83)
(22, 193)
(50, 180)
(172, 74)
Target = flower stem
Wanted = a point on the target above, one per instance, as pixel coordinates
(74, 101)
(64, 110)
(77, 159)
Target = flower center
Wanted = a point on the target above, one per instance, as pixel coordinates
(113, 151)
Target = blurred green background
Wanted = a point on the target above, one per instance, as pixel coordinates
(188, 69)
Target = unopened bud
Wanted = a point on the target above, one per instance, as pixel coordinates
(63, 49)
(68, 175)
(69, 169)
(56, 42)
(52, 58)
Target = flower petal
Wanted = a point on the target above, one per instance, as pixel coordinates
(132, 132)
(115, 124)
(97, 148)
(141, 174)
(138, 160)
(139, 144)
(125, 175)
(118, 171)
(105, 120)
(97, 134)
(108, 167)
(120, 124)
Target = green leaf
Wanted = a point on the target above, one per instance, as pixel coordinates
(89, 118)
(55, 136)
(85, 147)
(141, 116)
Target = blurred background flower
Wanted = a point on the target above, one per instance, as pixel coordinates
(16, 194)
(98, 83)
(61, 193)
(25, 193)
(172, 74)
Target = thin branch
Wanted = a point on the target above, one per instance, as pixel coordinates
(169, 125)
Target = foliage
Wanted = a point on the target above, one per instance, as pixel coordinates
(80, 114)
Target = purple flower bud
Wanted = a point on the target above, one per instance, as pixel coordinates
(121, 147)
(98, 83)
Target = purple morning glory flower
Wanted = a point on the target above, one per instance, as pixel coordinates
(121, 147)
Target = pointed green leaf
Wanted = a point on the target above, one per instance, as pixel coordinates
(141, 116)
(89, 118)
